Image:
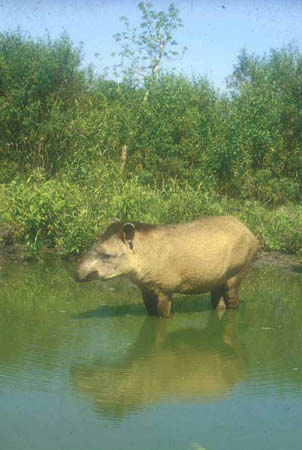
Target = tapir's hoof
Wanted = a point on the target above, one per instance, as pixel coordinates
(221, 304)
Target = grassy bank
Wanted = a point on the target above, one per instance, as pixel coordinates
(68, 216)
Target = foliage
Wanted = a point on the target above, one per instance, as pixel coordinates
(60, 214)
(40, 82)
(142, 53)
(194, 151)
(266, 108)
(143, 50)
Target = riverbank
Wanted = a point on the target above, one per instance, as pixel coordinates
(278, 259)
(14, 252)
(67, 217)
(10, 250)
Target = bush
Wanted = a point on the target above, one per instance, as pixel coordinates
(60, 214)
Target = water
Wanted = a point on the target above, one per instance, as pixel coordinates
(82, 367)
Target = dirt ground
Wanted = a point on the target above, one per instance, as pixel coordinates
(279, 259)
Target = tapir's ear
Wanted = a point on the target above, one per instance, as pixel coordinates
(128, 233)
(114, 220)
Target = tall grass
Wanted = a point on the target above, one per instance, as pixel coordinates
(60, 214)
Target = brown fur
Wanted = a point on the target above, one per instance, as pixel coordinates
(208, 255)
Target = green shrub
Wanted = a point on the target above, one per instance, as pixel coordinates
(60, 214)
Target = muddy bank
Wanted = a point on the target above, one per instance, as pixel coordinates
(281, 260)
(12, 253)
(10, 250)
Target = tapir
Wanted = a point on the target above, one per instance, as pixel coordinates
(211, 254)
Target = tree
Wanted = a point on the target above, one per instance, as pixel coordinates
(266, 124)
(40, 84)
(144, 49)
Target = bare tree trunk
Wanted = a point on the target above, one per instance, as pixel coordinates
(124, 155)
(146, 96)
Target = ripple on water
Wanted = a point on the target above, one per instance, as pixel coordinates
(269, 379)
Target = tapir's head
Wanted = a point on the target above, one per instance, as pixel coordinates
(113, 255)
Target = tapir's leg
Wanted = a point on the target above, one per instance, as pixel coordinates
(217, 298)
(231, 296)
(157, 303)
(150, 301)
(164, 303)
(233, 284)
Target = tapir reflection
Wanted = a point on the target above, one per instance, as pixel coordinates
(193, 364)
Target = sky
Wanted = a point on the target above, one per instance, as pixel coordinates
(215, 31)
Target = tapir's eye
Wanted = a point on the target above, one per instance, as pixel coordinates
(105, 255)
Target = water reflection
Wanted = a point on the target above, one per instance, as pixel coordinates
(191, 363)
(87, 350)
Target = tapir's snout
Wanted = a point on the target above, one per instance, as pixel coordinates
(91, 276)
(82, 274)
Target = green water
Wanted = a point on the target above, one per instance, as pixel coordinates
(82, 367)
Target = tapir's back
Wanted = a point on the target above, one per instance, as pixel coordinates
(196, 256)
